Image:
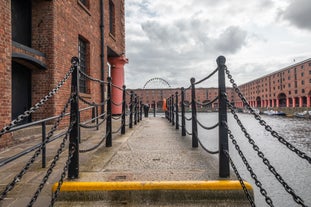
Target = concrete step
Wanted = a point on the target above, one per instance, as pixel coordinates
(153, 193)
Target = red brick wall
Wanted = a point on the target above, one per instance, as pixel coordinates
(56, 27)
(42, 40)
(5, 67)
(285, 81)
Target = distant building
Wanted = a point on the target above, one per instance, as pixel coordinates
(203, 95)
(38, 39)
(287, 87)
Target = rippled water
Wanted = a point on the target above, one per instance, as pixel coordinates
(295, 171)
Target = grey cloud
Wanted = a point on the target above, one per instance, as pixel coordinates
(298, 13)
(164, 34)
(231, 40)
(195, 33)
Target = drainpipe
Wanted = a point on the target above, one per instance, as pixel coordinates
(102, 56)
(109, 69)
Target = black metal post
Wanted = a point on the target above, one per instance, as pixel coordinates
(183, 118)
(131, 109)
(96, 113)
(141, 109)
(169, 109)
(109, 115)
(224, 170)
(93, 114)
(172, 105)
(154, 109)
(43, 141)
(123, 110)
(135, 109)
(195, 142)
(138, 109)
(74, 137)
(176, 108)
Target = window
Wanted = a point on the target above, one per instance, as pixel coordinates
(296, 91)
(303, 90)
(112, 18)
(302, 74)
(289, 85)
(301, 66)
(289, 92)
(83, 65)
(302, 82)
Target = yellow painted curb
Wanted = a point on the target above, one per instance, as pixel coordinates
(152, 185)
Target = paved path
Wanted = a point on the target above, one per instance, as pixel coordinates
(152, 151)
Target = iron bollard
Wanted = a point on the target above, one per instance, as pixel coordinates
(154, 109)
(43, 124)
(96, 112)
(169, 109)
(131, 109)
(123, 110)
(195, 142)
(183, 118)
(172, 105)
(224, 168)
(135, 109)
(176, 112)
(109, 115)
(141, 109)
(74, 137)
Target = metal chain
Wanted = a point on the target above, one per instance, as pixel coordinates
(288, 189)
(249, 197)
(52, 165)
(91, 104)
(18, 177)
(61, 180)
(37, 105)
(91, 78)
(264, 124)
(249, 168)
(96, 146)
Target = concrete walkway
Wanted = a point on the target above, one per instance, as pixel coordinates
(151, 152)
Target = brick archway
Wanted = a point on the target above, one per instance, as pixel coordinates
(282, 100)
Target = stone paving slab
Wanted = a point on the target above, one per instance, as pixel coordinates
(152, 150)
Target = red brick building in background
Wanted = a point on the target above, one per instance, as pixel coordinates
(203, 95)
(38, 39)
(288, 87)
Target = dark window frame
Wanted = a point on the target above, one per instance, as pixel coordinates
(83, 54)
(112, 19)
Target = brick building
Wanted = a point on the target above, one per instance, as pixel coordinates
(203, 95)
(287, 87)
(38, 39)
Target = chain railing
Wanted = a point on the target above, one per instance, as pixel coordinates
(260, 154)
(71, 167)
(224, 156)
(173, 115)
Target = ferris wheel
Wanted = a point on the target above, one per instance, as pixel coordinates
(156, 83)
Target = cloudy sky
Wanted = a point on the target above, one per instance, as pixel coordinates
(179, 39)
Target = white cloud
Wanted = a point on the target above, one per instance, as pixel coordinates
(177, 40)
